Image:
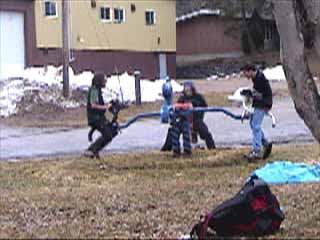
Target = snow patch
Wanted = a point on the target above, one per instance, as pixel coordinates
(150, 90)
(45, 85)
(275, 73)
(11, 92)
(213, 78)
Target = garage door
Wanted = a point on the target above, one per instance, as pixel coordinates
(12, 49)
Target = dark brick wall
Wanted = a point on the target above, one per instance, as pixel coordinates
(208, 35)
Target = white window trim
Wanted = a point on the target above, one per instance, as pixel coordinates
(154, 16)
(124, 15)
(111, 14)
(44, 9)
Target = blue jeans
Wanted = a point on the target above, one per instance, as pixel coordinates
(181, 127)
(256, 120)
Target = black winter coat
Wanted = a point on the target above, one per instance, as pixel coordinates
(262, 86)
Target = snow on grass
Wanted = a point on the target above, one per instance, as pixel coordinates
(150, 90)
(10, 94)
(47, 83)
(275, 73)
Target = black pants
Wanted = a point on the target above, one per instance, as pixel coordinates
(200, 127)
(108, 132)
(204, 133)
(167, 146)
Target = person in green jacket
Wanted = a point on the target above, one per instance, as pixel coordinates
(96, 109)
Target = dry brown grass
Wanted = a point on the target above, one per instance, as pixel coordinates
(140, 195)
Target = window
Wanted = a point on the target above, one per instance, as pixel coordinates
(105, 14)
(150, 17)
(119, 15)
(50, 8)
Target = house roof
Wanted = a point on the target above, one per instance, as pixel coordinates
(208, 12)
(189, 9)
(184, 7)
(200, 12)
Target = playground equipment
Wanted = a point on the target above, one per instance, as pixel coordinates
(167, 111)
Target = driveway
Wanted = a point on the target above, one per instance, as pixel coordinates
(25, 143)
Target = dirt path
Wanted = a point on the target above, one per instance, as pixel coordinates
(148, 135)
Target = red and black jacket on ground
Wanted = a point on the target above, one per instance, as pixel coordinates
(253, 211)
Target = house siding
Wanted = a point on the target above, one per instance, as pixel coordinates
(132, 35)
(207, 35)
(109, 62)
(106, 61)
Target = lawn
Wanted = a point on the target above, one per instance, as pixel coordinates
(141, 195)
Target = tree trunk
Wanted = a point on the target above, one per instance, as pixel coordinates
(313, 10)
(302, 87)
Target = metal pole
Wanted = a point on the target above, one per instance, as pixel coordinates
(65, 46)
(137, 76)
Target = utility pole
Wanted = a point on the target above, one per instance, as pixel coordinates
(137, 77)
(65, 46)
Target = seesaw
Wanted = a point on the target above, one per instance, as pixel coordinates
(168, 111)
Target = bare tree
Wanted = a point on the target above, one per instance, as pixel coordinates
(298, 23)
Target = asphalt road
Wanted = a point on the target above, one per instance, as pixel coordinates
(25, 143)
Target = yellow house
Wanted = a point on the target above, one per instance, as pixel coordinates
(105, 35)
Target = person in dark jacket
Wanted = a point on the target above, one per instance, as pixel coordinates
(262, 103)
(191, 95)
(96, 109)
